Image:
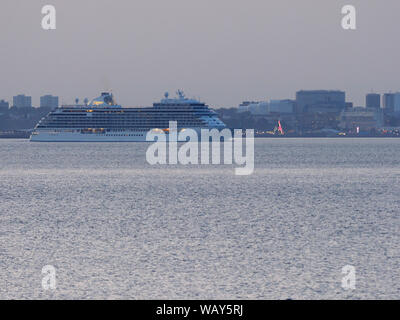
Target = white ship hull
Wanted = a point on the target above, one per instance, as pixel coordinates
(43, 136)
(120, 136)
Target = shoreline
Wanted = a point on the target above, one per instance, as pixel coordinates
(11, 137)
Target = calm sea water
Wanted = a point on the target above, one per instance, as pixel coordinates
(115, 227)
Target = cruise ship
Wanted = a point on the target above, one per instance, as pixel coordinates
(102, 120)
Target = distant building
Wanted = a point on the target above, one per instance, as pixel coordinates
(373, 100)
(396, 104)
(255, 108)
(311, 122)
(349, 105)
(49, 101)
(244, 106)
(281, 106)
(320, 101)
(265, 108)
(388, 101)
(22, 101)
(360, 119)
(4, 105)
(259, 109)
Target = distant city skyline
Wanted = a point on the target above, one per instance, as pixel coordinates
(223, 51)
(315, 112)
(52, 100)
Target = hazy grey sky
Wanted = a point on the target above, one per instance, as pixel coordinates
(223, 51)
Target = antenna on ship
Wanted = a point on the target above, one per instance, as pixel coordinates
(112, 98)
(180, 94)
